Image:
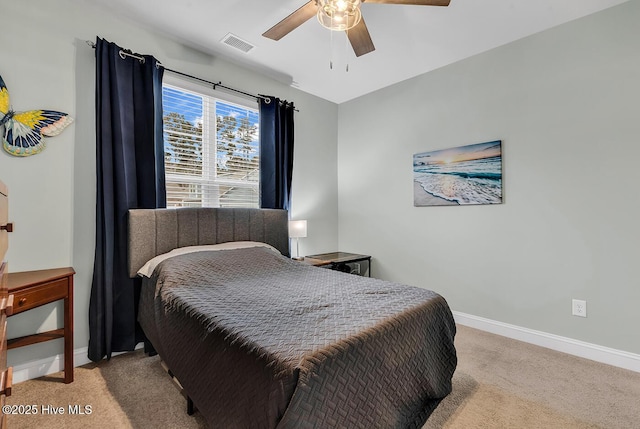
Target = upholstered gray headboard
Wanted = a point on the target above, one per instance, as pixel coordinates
(153, 232)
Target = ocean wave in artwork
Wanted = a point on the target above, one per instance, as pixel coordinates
(466, 182)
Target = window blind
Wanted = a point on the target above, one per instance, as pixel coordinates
(211, 150)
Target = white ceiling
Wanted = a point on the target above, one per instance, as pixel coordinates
(409, 40)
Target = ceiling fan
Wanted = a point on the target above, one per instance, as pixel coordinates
(340, 15)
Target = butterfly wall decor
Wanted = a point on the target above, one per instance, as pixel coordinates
(22, 132)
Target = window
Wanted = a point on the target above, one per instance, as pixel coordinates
(211, 149)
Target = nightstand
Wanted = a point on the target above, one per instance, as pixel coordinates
(342, 261)
(31, 289)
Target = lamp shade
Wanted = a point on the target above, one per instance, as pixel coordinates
(297, 228)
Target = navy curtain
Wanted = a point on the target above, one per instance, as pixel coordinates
(130, 174)
(276, 152)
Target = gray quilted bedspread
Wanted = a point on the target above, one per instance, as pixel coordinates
(261, 341)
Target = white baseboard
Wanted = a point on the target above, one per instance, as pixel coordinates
(619, 358)
(41, 367)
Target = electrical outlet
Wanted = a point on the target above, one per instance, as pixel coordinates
(579, 308)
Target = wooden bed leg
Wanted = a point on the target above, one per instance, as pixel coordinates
(190, 407)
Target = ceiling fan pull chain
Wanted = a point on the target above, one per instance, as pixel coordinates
(346, 49)
(331, 49)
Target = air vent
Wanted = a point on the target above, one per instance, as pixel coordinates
(237, 43)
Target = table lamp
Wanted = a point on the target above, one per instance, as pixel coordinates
(297, 230)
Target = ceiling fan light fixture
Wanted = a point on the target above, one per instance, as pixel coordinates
(339, 15)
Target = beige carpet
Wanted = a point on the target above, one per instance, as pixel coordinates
(500, 383)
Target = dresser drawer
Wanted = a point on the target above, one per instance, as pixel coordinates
(6, 300)
(3, 277)
(28, 298)
(3, 342)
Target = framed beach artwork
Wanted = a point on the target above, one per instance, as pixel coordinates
(461, 175)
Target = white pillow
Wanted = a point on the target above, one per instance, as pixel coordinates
(147, 269)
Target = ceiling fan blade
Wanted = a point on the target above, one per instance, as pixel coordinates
(414, 2)
(292, 21)
(360, 39)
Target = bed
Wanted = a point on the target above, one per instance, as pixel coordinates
(258, 340)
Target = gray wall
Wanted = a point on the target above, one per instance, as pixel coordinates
(47, 64)
(566, 105)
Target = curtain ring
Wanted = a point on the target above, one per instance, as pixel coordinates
(124, 54)
(267, 100)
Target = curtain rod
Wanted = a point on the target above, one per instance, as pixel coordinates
(215, 85)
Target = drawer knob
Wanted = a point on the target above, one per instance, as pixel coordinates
(8, 227)
(22, 301)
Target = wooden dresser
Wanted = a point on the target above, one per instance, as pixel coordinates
(6, 301)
